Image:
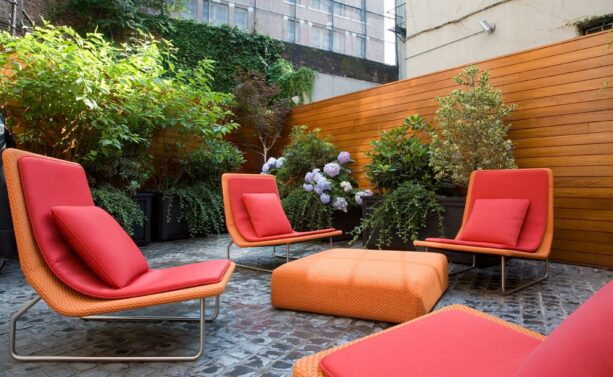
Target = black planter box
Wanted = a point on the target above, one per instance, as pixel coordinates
(165, 227)
(346, 221)
(142, 233)
(452, 221)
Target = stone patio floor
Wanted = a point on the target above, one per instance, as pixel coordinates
(250, 338)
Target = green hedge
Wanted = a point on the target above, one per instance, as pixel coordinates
(230, 48)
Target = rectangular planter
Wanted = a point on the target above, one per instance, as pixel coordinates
(346, 221)
(165, 224)
(452, 221)
(142, 233)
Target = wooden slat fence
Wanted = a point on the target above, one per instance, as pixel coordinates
(563, 120)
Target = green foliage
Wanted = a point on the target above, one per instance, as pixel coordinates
(83, 99)
(201, 208)
(403, 213)
(120, 205)
(472, 134)
(207, 162)
(399, 157)
(305, 211)
(116, 18)
(292, 82)
(232, 50)
(306, 151)
(260, 110)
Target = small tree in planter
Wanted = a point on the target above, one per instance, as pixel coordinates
(400, 169)
(472, 133)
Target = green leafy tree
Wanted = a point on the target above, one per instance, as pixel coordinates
(473, 131)
(400, 156)
(292, 82)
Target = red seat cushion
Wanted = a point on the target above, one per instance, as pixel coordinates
(49, 183)
(581, 345)
(101, 242)
(530, 184)
(266, 214)
(450, 343)
(495, 221)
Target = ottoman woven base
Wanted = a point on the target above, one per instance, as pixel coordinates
(382, 285)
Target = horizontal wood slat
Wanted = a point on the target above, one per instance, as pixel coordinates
(563, 120)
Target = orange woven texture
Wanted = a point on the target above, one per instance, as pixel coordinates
(309, 366)
(56, 294)
(390, 286)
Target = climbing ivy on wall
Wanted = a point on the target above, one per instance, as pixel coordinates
(232, 50)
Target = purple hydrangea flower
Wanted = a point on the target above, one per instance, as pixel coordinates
(340, 204)
(318, 190)
(317, 177)
(360, 194)
(344, 157)
(280, 162)
(308, 177)
(307, 187)
(332, 169)
(315, 171)
(271, 161)
(265, 168)
(325, 198)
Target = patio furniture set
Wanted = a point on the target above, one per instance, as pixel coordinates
(83, 264)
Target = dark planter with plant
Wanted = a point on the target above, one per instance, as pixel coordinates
(142, 232)
(167, 218)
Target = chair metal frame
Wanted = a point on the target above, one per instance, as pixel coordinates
(201, 319)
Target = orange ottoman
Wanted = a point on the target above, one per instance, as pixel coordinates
(381, 285)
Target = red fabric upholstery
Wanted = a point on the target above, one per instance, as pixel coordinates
(266, 214)
(46, 184)
(237, 186)
(581, 345)
(495, 221)
(468, 243)
(102, 243)
(516, 184)
(451, 343)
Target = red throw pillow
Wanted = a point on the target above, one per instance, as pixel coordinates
(266, 214)
(496, 221)
(102, 243)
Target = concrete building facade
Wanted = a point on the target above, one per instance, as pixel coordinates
(446, 33)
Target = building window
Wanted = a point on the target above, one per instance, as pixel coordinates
(360, 46)
(189, 11)
(321, 38)
(218, 13)
(322, 5)
(205, 11)
(292, 31)
(339, 42)
(340, 9)
(240, 18)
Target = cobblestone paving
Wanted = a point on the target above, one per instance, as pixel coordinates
(250, 338)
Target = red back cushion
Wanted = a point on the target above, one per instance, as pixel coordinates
(496, 221)
(247, 184)
(580, 346)
(530, 184)
(450, 343)
(102, 243)
(48, 183)
(266, 214)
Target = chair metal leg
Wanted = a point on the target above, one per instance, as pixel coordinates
(155, 318)
(331, 240)
(29, 304)
(472, 266)
(244, 265)
(503, 278)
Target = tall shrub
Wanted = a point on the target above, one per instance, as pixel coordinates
(473, 131)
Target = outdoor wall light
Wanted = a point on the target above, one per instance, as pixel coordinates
(486, 26)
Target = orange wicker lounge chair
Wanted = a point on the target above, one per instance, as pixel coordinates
(508, 213)
(255, 218)
(460, 341)
(41, 188)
